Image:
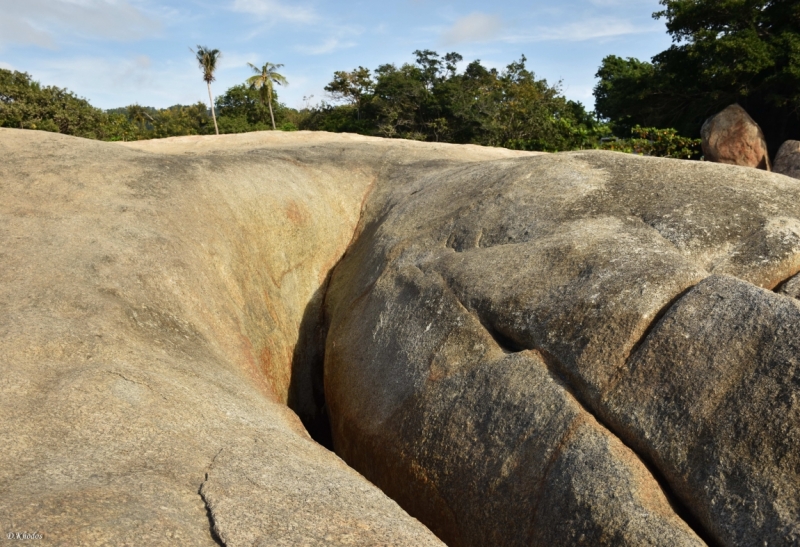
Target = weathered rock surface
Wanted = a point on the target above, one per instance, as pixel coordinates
(519, 349)
(715, 387)
(787, 160)
(490, 345)
(732, 136)
(155, 298)
(791, 287)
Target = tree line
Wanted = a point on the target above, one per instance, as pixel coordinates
(430, 100)
(745, 51)
(723, 52)
(26, 104)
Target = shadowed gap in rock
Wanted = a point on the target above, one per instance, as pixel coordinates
(306, 387)
(779, 287)
(211, 524)
(656, 319)
(506, 343)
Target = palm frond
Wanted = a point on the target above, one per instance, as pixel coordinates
(207, 60)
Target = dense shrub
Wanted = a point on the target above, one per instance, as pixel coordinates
(650, 141)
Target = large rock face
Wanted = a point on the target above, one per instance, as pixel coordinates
(733, 137)
(578, 348)
(585, 348)
(160, 305)
(787, 160)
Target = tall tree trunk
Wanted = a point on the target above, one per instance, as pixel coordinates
(213, 115)
(271, 115)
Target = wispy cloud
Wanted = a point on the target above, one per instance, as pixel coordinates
(274, 10)
(236, 61)
(579, 31)
(339, 38)
(43, 22)
(475, 27)
(15, 30)
(328, 46)
(120, 80)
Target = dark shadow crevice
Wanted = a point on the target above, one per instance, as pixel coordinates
(319, 427)
(506, 343)
(307, 383)
(646, 334)
(779, 287)
(210, 515)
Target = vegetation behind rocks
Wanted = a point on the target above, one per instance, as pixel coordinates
(737, 51)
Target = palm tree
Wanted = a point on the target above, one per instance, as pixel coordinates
(263, 80)
(207, 59)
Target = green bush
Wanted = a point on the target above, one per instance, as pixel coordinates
(662, 143)
(25, 104)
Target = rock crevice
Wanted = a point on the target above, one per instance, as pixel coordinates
(561, 375)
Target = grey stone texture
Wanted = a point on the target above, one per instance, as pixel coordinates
(787, 160)
(491, 342)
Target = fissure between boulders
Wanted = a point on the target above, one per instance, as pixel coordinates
(561, 375)
(782, 284)
(319, 427)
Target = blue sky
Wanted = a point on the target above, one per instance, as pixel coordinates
(120, 52)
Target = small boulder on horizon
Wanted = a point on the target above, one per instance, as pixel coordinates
(733, 137)
(787, 162)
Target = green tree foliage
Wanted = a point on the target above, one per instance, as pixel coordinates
(723, 51)
(241, 110)
(430, 100)
(353, 87)
(26, 104)
(266, 77)
(136, 122)
(625, 94)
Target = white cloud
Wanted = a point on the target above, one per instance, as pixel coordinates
(274, 10)
(6, 66)
(475, 27)
(579, 31)
(14, 30)
(136, 72)
(342, 37)
(328, 46)
(114, 81)
(236, 61)
(39, 22)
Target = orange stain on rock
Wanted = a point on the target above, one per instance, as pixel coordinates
(254, 371)
(297, 213)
